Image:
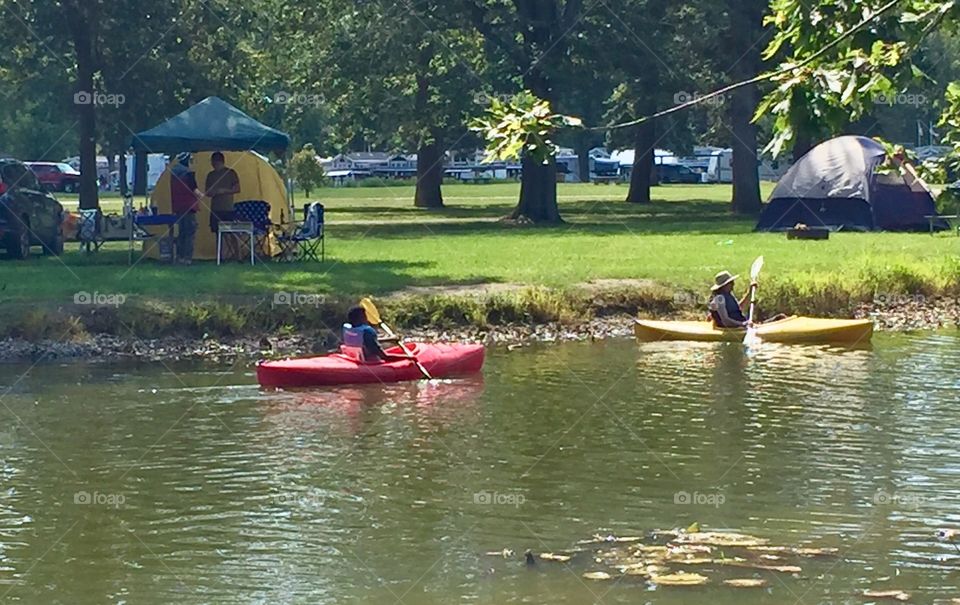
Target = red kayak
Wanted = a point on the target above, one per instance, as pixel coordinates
(440, 360)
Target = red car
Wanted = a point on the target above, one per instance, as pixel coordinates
(56, 176)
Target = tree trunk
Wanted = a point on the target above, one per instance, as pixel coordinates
(81, 30)
(122, 173)
(583, 158)
(140, 173)
(641, 176)
(429, 176)
(746, 171)
(429, 153)
(538, 192)
(802, 143)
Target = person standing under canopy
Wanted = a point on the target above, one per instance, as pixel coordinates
(184, 201)
(221, 184)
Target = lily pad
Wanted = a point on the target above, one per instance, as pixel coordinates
(691, 560)
(597, 539)
(597, 575)
(715, 538)
(803, 552)
(897, 595)
(680, 579)
(760, 566)
(641, 569)
(745, 582)
(652, 550)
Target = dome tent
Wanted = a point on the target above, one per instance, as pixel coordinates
(258, 181)
(837, 185)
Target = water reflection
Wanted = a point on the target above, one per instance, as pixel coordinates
(349, 409)
(353, 494)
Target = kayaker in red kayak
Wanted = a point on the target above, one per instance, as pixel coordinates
(725, 310)
(362, 338)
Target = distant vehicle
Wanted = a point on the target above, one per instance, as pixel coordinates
(56, 176)
(29, 215)
(719, 167)
(676, 173)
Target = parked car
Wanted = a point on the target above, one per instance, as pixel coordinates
(56, 176)
(677, 173)
(29, 215)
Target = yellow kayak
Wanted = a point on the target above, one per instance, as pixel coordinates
(791, 330)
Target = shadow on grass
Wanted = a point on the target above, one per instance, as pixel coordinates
(596, 210)
(582, 217)
(107, 273)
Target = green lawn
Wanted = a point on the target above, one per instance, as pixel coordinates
(378, 243)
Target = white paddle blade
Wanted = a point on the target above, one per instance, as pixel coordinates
(755, 269)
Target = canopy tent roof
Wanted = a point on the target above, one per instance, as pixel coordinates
(210, 125)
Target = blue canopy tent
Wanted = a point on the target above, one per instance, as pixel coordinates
(211, 125)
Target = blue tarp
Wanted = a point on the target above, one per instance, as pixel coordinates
(210, 125)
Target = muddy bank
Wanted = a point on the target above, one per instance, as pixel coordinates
(906, 314)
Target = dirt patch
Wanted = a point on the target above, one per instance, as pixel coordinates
(598, 285)
(482, 290)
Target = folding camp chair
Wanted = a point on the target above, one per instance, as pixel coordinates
(307, 238)
(255, 214)
(88, 231)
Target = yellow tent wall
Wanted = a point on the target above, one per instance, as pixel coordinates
(258, 181)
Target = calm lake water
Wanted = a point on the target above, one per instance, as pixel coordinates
(188, 484)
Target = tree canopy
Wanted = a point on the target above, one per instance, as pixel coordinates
(437, 77)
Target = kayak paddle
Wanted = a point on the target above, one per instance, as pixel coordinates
(751, 335)
(373, 316)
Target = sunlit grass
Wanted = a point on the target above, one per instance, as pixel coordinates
(378, 243)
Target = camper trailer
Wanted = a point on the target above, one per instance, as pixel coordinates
(156, 164)
(719, 167)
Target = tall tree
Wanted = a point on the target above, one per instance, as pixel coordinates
(744, 36)
(398, 80)
(653, 31)
(82, 19)
(531, 38)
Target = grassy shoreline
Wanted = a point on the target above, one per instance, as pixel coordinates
(260, 317)
(379, 244)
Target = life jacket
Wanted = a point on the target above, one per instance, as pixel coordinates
(733, 309)
(352, 345)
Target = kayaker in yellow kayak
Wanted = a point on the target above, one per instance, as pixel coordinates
(726, 311)
(361, 339)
